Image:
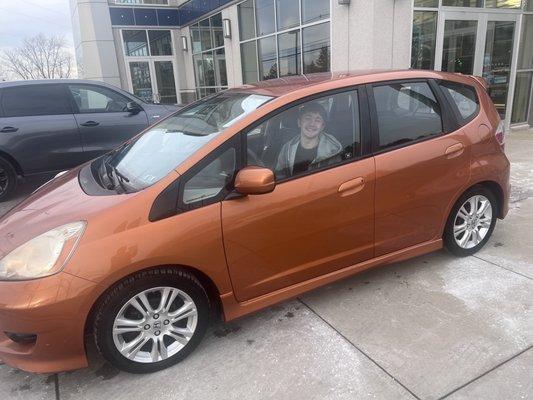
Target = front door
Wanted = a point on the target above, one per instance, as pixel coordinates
(482, 44)
(102, 118)
(320, 217)
(153, 80)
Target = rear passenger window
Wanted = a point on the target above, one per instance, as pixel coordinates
(406, 112)
(33, 100)
(464, 97)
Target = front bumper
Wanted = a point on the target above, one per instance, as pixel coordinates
(55, 309)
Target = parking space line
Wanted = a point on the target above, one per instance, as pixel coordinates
(358, 349)
(486, 372)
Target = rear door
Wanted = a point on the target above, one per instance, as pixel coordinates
(38, 128)
(422, 162)
(102, 118)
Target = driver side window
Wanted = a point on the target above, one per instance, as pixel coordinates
(309, 136)
(93, 99)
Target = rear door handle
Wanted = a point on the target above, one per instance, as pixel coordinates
(454, 150)
(9, 129)
(352, 186)
(90, 123)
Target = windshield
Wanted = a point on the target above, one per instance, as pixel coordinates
(143, 162)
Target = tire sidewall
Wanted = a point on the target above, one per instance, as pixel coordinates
(104, 326)
(449, 238)
(12, 179)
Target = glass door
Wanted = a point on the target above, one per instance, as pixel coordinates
(165, 83)
(481, 44)
(141, 80)
(497, 61)
(153, 80)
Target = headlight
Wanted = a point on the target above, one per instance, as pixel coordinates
(43, 255)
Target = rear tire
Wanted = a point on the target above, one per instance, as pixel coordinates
(471, 222)
(166, 331)
(8, 179)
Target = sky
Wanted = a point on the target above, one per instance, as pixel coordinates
(22, 18)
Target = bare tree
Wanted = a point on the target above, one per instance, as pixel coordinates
(39, 57)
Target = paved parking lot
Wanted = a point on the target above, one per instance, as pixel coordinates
(428, 328)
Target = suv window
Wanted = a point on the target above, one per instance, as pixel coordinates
(316, 134)
(95, 99)
(464, 97)
(35, 100)
(406, 112)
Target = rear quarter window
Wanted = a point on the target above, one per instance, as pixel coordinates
(463, 98)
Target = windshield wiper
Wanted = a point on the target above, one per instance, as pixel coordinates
(121, 178)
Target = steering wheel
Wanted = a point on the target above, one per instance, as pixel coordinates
(253, 159)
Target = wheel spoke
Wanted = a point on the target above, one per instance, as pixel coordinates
(159, 350)
(168, 295)
(141, 303)
(473, 205)
(123, 325)
(484, 207)
(485, 223)
(475, 237)
(130, 349)
(463, 214)
(458, 229)
(185, 311)
(465, 239)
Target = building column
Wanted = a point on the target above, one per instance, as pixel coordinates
(96, 54)
(371, 34)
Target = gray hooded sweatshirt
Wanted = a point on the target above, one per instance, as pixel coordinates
(328, 152)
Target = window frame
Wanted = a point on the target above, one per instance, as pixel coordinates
(58, 85)
(76, 109)
(449, 124)
(364, 118)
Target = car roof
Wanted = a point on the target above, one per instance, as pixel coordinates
(330, 80)
(51, 81)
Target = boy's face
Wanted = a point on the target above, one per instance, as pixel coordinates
(311, 124)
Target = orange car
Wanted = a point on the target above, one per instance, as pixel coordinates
(242, 200)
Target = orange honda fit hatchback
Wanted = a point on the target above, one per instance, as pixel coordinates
(242, 200)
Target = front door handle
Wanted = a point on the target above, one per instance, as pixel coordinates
(352, 186)
(454, 150)
(9, 129)
(90, 123)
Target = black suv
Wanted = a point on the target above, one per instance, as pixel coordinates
(54, 125)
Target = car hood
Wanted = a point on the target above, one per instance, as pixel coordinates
(56, 203)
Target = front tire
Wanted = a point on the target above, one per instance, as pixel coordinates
(8, 179)
(471, 222)
(151, 320)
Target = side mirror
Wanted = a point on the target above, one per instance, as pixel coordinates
(133, 108)
(255, 180)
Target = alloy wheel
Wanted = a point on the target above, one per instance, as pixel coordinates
(472, 222)
(155, 324)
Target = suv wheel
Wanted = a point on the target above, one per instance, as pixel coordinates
(8, 179)
(151, 320)
(471, 221)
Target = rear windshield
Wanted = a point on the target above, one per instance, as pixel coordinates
(143, 162)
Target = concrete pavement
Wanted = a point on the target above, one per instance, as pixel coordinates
(429, 328)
